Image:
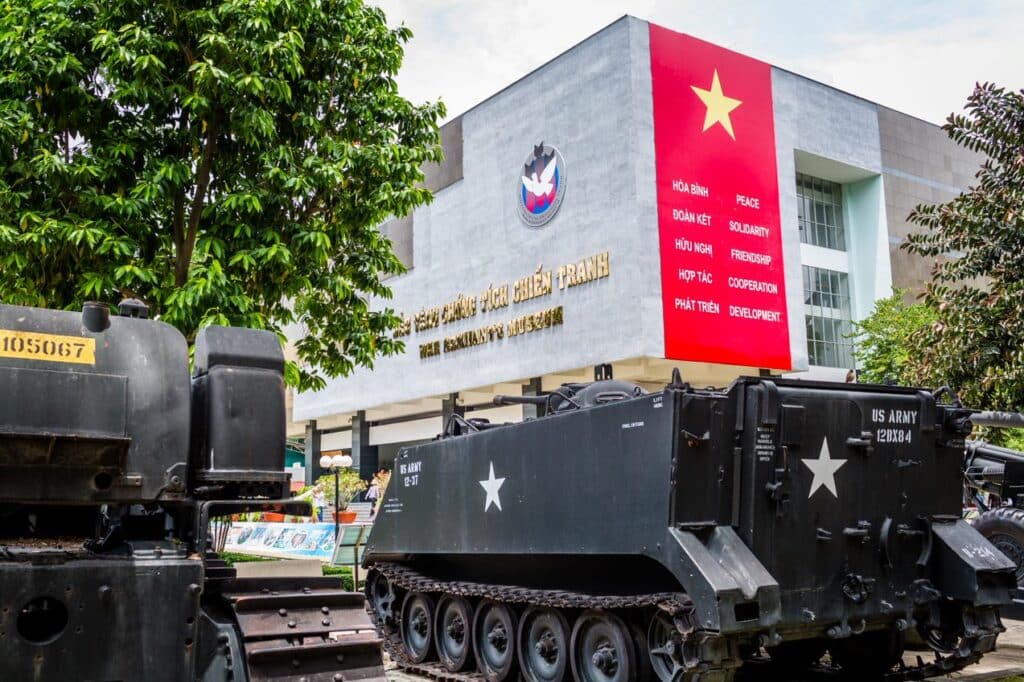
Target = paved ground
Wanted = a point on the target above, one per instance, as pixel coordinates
(1005, 665)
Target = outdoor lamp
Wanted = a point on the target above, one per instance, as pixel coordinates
(336, 464)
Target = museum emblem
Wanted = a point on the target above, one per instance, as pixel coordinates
(542, 186)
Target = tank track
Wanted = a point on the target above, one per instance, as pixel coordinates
(980, 628)
(286, 625)
(676, 604)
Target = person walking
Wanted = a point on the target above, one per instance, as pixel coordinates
(372, 495)
(320, 503)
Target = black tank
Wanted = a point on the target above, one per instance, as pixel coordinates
(113, 463)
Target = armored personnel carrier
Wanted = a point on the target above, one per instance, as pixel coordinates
(688, 534)
(113, 461)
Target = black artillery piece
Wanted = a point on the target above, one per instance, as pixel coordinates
(994, 477)
(689, 535)
(113, 461)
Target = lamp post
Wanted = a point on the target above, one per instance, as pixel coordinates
(336, 464)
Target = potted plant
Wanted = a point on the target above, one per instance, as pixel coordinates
(349, 485)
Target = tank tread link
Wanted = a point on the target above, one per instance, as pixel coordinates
(708, 657)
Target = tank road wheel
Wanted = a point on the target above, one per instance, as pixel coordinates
(381, 595)
(452, 632)
(494, 646)
(602, 649)
(543, 645)
(418, 626)
(665, 647)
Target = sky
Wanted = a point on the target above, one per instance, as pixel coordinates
(917, 56)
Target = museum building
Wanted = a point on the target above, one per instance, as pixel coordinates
(644, 201)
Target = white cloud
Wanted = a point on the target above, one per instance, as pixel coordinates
(920, 58)
(928, 71)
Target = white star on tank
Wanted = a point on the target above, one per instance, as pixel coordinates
(491, 486)
(824, 469)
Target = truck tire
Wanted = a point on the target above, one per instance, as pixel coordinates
(1004, 528)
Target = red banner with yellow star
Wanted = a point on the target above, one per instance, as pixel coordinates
(722, 276)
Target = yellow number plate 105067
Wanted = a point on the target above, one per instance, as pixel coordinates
(47, 347)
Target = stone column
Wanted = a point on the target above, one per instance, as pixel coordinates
(312, 452)
(364, 457)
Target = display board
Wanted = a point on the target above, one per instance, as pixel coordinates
(282, 540)
(723, 280)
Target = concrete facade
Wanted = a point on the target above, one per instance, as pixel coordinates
(921, 166)
(471, 236)
(594, 103)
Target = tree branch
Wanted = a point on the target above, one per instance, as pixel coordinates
(198, 199)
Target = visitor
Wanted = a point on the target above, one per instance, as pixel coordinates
(372, 494)
(320, 503)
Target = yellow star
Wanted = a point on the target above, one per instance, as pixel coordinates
(718, 105)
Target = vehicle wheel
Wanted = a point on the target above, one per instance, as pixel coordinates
(452, 632)
(602, 649)
(382, 598)
(418, 626)
(644, 671)
(494, 635)
(868, 656)
(665, 648)
(544, 645)
(1004, 528)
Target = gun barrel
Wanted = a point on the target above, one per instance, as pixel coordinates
(980, 451)
(999, 420)
(993, 469)
(520, 399)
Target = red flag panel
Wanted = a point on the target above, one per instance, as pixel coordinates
(722, 274)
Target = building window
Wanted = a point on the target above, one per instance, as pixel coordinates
(827, 306)
(820, 212)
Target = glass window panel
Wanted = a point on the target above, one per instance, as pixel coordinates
(820, 212)
(828, 320)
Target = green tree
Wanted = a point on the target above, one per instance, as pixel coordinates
(886, 343)
(226, 162)
(976, 344)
